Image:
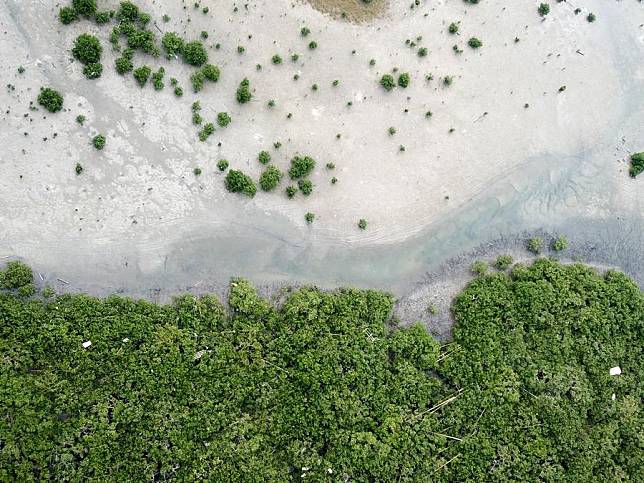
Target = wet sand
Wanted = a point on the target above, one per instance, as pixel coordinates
(356, 11)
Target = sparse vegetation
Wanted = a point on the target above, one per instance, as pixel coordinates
(560, 243)
(503, 262)
(637, 164)
(142, 74)
(535, 244)
(301, 166)
(479, 267)
(305, 186)
(264, 157)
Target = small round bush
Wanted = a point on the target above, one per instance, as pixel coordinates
(544, 9)
(264, 157)
(387, 81)
(403, 80)
(197, 80)
(172, 44)
(453, 28)
(243, 94)
(475, 43)
(479, 267)
(93, 70)
(102, 17)
(195, 54)
(78, 169)
(535, 244)
(85, 7)
(127, 12)
(99, 142)
(270, 178)
(503, 262)
(197, 171)
(223, 119)
(362, 224)
(301, 166)
(210, 72)
(591, 17)
(276, 59)
(313, 45)
(67, 15)
(87, 49)
(560, 244)
(305, 186)
(238, 182)
(142, 74)
(304, 31)
(123, 65)
(309, 217)
(422, 52)
(291, 191)
(222, 165)
(50, 99)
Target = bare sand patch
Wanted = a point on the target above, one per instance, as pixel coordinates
(356, 11)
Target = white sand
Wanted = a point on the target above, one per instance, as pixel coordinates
(138, 202)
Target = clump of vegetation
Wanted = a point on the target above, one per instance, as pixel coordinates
(78, 169)
(479, 267)
(127, 12)
(304, 31)
(238, 182)
(503, 262)
(222, 165)
(210, 72)
(67, 15)
(291, 191)
(422, 52)
(197, 80)
(591, 17)
(264, 157)
(123, 65)
(309, 217)
(87, 49)
(80, 119)
(453, 28)
(521, 377)
(270, 178)
(173, 45)
(301, 166)
(93, 70)
(243, 93)
(387, 81)
(276, 59)
(535, 244)
(637, 164)
(87, 8)
(196, 110)
(362, 224)
(560, 243)
(313, 45)
(157, 79)
(448, 80)
(17, 276)
(544, 9)
(102, 17)
(474, 43)
(194, 53)
(403, 80)
(142, 74)
(99, 141)
(206, 131)
(223, 119)
(50, 99)
(305, 186)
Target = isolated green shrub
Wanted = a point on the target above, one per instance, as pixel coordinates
(157, 79)
(99, 141)
(67, 15)
(223, 119)
(142, 74)
(276, 59)
(123, 65)
(291, 191)
(313, 45)
(309, 217)
(403, 80)
(196, 171)
(80, 119)
(206, 131)
(78, 169)
(270, 178)
(86, 8)
(127, 12)
(243, 93)
(305, 186)
(210, 72)
(194, 53)
(172, 44)
(387, 81)
(15, 275)
(479, 267)
(544, 9)
(535, 244)
(238, 182)
(197, 80)
(453, 28)
(422, 52)
(637, 164)
(362, 224)
(222, 164)
(50, 99)
(142, 39)
(503, 262)
(301, 166)
(264, 157)
(591, 17)
(474, 42)
(560, 243)
(304, 31)
(87, 49)
(93, 70)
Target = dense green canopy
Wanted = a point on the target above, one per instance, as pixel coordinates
(326, 387)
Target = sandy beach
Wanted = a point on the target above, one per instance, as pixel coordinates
(505, 151)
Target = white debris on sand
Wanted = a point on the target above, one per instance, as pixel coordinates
(615, 371)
